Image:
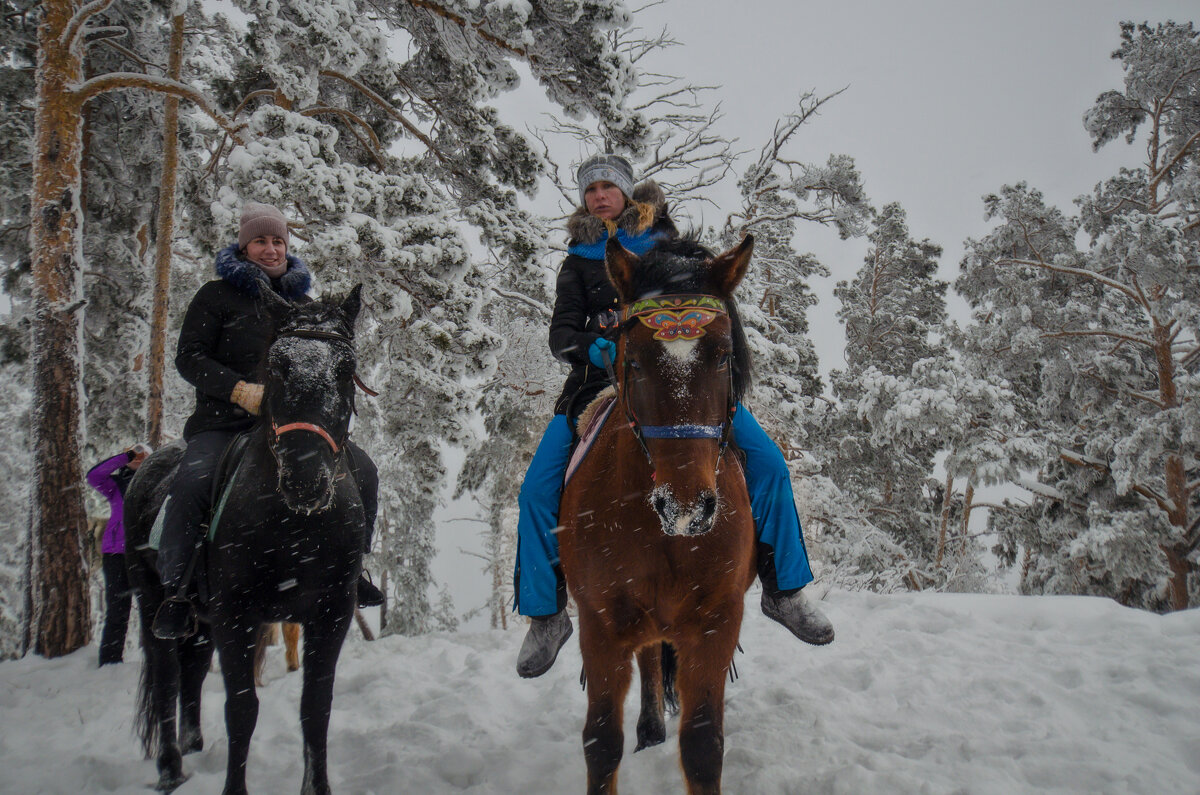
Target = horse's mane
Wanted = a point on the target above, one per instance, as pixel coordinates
(677, 266)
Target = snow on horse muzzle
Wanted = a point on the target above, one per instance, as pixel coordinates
(305, 476)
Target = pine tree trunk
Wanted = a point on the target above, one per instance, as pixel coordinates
(968, 498)
(945, 523)
(1175, 474)
(164, 235)
(60, 617)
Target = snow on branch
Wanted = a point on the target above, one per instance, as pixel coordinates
(119, 81)
(73, 28)
(515, 296)
(390, 110)
(1183, 150)
(1082, 272)
(476, 27)
(1149, 343)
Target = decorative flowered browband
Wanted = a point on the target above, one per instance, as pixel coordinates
(676, 316)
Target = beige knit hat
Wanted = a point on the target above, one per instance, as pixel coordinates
(261, 219)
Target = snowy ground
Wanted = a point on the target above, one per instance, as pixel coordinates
(927, 693)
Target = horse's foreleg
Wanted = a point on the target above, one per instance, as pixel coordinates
(291, 645)
(651, 725)
(266, 637)
(195, 657)
(235, 643)
(322, 645)
(608, 670)
(703, 666)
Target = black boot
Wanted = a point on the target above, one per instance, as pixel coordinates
(539, 650)
(368, 594)
(175, 620)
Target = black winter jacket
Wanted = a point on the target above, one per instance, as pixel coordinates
(225, 335)
(584, 295)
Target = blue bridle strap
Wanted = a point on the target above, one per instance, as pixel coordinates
(682, 431)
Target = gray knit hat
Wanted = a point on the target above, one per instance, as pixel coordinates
(261, 219)
(609, 168)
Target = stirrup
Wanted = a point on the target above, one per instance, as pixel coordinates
(175, 619)
(368, 594)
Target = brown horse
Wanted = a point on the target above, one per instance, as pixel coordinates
(657, 539)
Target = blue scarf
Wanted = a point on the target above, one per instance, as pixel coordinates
(639, 244)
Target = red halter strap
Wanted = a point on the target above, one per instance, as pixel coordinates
(280, 430)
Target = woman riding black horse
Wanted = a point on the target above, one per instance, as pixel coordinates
(581, 335)
(225, 334)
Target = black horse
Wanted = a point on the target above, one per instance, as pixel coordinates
(287, 547)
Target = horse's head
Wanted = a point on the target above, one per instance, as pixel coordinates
(309, 395)
(682, 365)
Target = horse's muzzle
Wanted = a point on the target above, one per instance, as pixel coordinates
(692, 520)
(306, 497)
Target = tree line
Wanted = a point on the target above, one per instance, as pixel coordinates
(133, 130)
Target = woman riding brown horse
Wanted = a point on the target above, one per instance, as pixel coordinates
(637, 217)
(657, 539)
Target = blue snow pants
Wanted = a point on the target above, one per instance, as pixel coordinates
(776, 522)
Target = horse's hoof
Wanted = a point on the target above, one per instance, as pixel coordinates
(191, 742)
(167, 783)
(651, 737)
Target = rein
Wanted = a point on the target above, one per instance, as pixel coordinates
(672, 317)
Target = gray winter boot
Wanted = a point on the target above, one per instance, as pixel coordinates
(796, 612)
(546, 636)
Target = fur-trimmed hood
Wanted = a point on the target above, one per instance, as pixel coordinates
(249, 278)
(647, 209)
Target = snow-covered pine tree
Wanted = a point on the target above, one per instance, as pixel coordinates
(18, 49)
(1103, 340)
(892, 312)
(63, 89)
(779, 196)
(972, 418)
(122, 160)
(379, 152)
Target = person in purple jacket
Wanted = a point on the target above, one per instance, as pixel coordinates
(110, 477)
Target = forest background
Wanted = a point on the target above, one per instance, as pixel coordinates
(898, 400)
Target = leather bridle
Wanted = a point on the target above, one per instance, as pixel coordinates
(669, 315)
(279, 430)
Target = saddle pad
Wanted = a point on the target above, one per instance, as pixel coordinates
(589, 434)
(227, 466)
(157, 529)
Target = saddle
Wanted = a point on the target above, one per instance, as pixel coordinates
(588, 428)
(227, 466)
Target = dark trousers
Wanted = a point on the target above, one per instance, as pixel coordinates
(189, 501)
(117, 600)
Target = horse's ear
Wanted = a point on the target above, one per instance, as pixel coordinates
(621, 265)
(277, 306)
(726, 270)
(352, 303)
